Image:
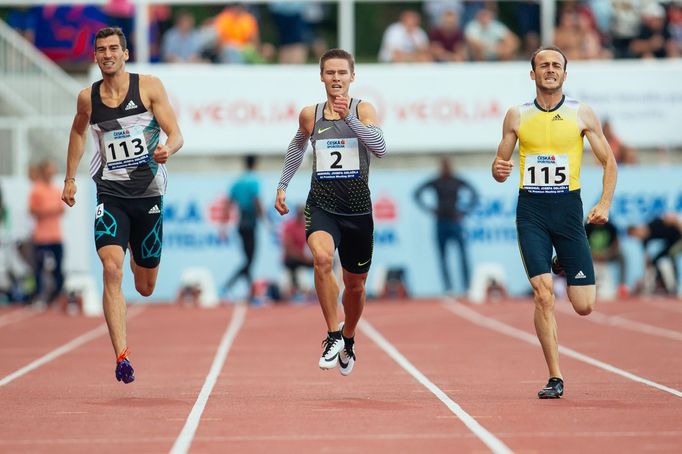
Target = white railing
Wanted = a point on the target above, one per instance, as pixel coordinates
(37, 96)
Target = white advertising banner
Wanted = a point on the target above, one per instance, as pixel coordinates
(442, 107)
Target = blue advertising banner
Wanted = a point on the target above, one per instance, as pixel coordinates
(404, 234)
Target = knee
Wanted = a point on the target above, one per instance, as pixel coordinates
(355, 286)
(323, 262)
(144, 289)
(112, 270)
(584, 307)
(544, 298)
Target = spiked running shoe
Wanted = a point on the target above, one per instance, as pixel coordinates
(553, 390)
(347, 355)
(330, 355)
(124, 370)
(557, 268)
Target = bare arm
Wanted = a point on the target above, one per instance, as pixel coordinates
(591, 127)
(502, 165)
(294, 156)
(164, 114)
(76, 148)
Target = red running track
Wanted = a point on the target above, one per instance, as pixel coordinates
(431, 376)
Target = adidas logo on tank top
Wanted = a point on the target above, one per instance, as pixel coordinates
(131, 105)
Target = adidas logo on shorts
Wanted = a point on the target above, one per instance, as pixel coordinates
(131, 105)
(155, 210)
(580, 275)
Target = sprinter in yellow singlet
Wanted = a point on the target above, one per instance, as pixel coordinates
(550, 131)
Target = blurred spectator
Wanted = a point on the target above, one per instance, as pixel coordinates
(183, 42)
(291, 31)
(405, 40)
(447, 39)
(675, 28)
(489, 39)
(47, 208)
(623, 153)
(435, 9)
(605, 247)
(295, 250)
(668, 229)
(653, 40)
(314, 15)
(577, 35)
(471, 8)
(238, 36)
(244, 194)
(528, 25)
(455, 198)
(602, 11)
(624, 26)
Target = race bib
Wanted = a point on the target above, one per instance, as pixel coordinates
(337, 159)
(125, 148)
(546, 173)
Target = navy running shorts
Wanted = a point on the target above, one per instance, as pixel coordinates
(544, 221)
(138, 222)
(353, 236)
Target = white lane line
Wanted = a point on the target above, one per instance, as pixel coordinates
(495, 444)
(622, 322)
(184, 440)
(487, 322)
(17, 316)
(66, 348)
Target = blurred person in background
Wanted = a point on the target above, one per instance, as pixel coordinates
(238, 36)
(668, 230)
(245, 196)
(291, 31)
(183, 43)
(47, 209)
(605, 248)
(455, 199)
(549, 214)
(489, 39)
(623, 153)
(653, 39)
(447, 40)
(129, 116)
(343, 132)
(675, 28)
(405, 41)
(625, 25)
(295, 252)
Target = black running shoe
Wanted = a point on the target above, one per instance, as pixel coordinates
(557, 268)
(553, 390)
(125, 371)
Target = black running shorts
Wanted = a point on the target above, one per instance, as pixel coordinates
(544, 221)
(138, 222)
(353, 236)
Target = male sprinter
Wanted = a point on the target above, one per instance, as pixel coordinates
(550, 132)
(127, 113)
(338, 212)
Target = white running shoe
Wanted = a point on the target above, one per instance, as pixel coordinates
(330, 354)
(346, 356)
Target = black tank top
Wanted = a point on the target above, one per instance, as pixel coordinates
(339, 182)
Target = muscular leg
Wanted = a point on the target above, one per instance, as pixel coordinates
(545, 322)
(353, 300)
(113, 301)
(582, 298)
(322, 246)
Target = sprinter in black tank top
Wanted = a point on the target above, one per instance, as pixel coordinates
(127, 114)
(338, 213)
